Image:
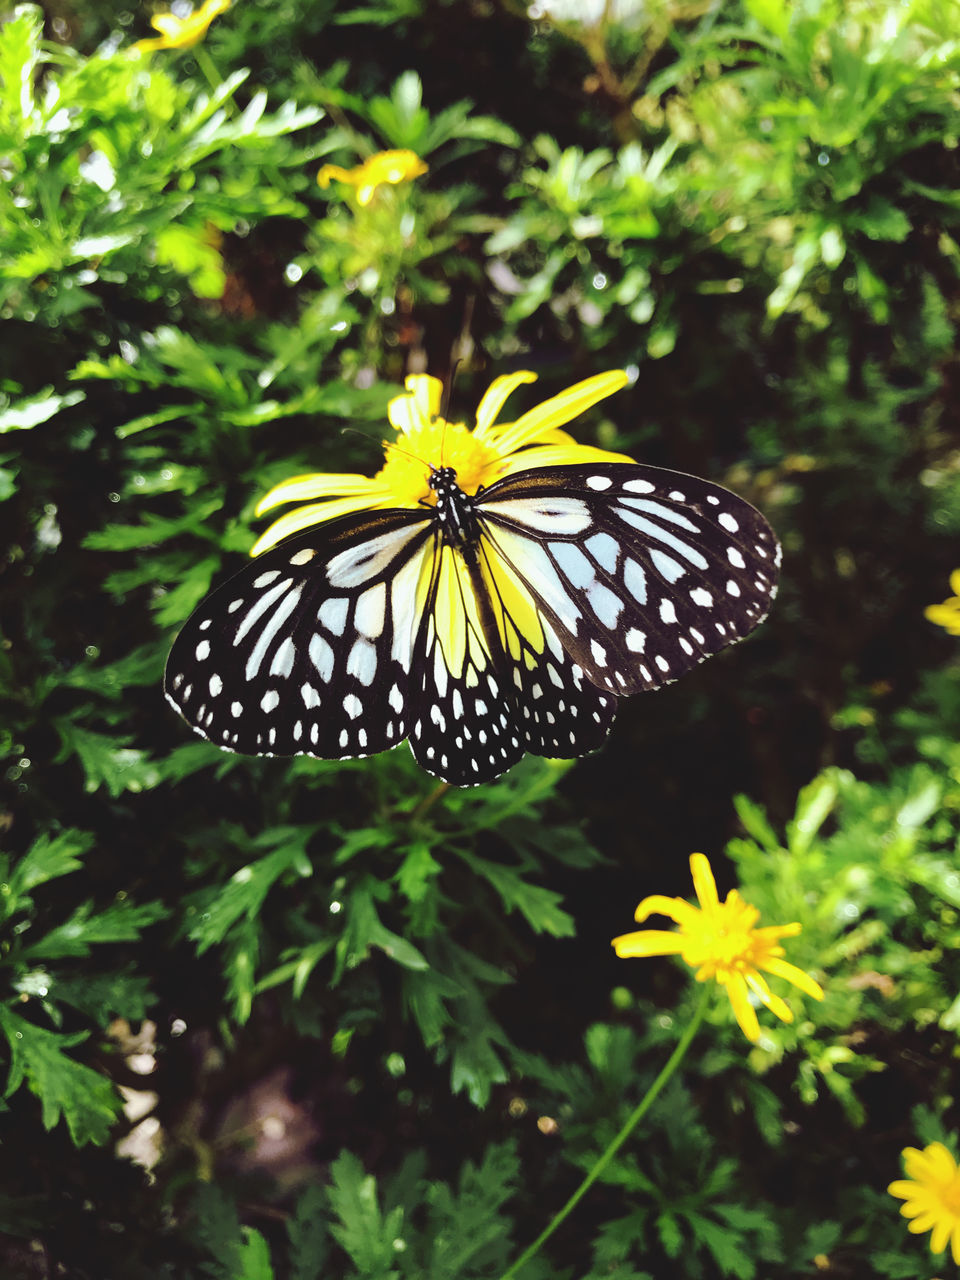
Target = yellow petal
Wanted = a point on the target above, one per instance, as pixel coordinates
(168, 24)
(561, 408)
(940, 1235)
(771, 932)
(492, 400)
(913, 1208)
(703, 882)
(428, 393)
(955, 582)
(743, 1010)
(675, 908)
(799, 979)
(774, 1003)
(319, 485)
(919, 1225)
(418, 405)
(955, 1243)
(902, 1187)
(934, 1161)
(648, 942)
(329, 171)
(318, 513)
(556, 455)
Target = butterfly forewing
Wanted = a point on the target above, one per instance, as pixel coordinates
(642, 572)
(308, 649)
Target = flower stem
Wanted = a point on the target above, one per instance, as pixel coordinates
(669, 1067)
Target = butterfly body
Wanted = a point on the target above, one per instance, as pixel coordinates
(482, 627)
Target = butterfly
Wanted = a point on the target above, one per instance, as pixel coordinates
(477, 624)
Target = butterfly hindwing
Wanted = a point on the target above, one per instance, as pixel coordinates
(487, 686)
(642, 572)
(308, 648)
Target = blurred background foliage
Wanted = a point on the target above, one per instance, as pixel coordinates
(266, 1018)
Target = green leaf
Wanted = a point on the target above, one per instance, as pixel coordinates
(103, 996)
(20, 53)
(106, 761)
(120, 922)
(772, 14)
(254, 1256)
(38, 408)
(152, 530)
(728, 1247)
(882, 220)
(539, 906)
(307, 1229)
(417, 872)
(47, 858)
(141, 666)
(85, 1099)
(246, 889)
(364, 929)
(241, 956)
(189, 250)
(361, 1230)
(755, 822)
(468, 1233)
(813, 806)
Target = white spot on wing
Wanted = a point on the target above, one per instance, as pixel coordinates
(283, 659)
(544, 515)
(321, 655)
(362, 661)
(573, 564)
(370, 612)
(604, 550)
(275, 622)
(333, 614)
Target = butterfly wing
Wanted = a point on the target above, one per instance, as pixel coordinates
(308, 649)
(486, 687)
(641, 572)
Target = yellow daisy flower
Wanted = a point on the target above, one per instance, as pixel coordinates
(386, 167)
(182, 33)
(947, 615)
(719, 941)
(424, 440)
(931, 1192)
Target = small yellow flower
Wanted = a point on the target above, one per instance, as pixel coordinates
(947, 614)
(182, 33)
(386, 167)
(424, 440)
(719, 941)
(931, 1191)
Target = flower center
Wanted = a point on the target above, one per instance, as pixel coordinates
(436, 444)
